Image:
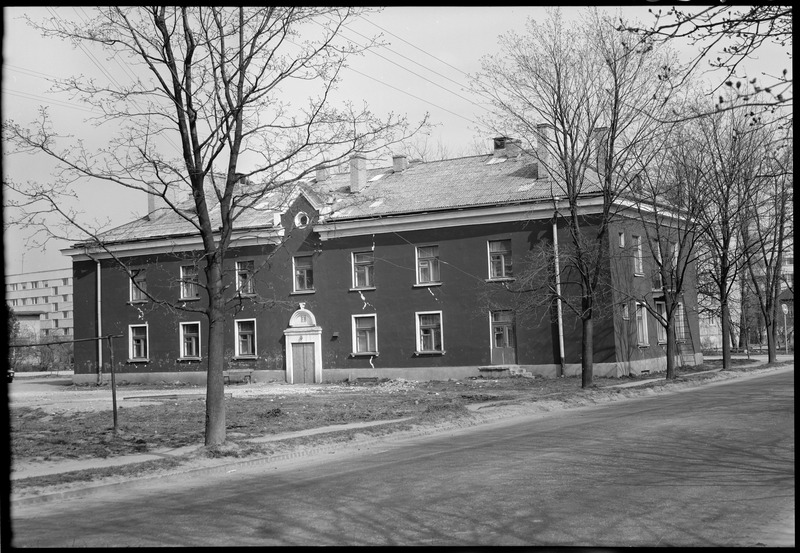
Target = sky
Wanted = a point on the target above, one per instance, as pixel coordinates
(424, 69)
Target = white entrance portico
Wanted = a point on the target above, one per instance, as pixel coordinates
(303, 348)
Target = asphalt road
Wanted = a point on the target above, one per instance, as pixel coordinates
(710, 466)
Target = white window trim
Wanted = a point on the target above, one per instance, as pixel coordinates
(353, 270)
(238, 354)
(418, 339)
(354, 344)
(133, 288)
(642, 341)
(416, 265)
(183, 283)
(131, 358)
(504, 278)
(294, 276)
(621, 239)
(199, 340)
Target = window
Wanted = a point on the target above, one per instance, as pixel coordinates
(138, 342)
(301, 220)
(138, 285)
(365, 335)
(626, 311)
(363, 270)
(500, 259)
(244, 277)
(503, 329)
(674, 258)
(64, 297)
(661, 332)
(621, 239)
(189, 283)
(641, 325)
(428, 265)
(246, 338)
(429, 332)
(303, 274)
(190, 340)
(65, 314)
(638, 260)
(65, 281)
(681, 329)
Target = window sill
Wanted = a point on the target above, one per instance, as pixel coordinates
(190, 299)
(436, 352)
(245, 358)
(426, 284)
(241, 295)
(638, 274)
(363, 289)
(301, 292)
(501, 279)
(643, 345)
(136, 302)
(188, 359)
(364, 354)
(138, 360)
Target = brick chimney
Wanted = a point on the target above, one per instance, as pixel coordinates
(358, 172)
(322, 172)
(599, 145)
(543, 138)
(400, 163)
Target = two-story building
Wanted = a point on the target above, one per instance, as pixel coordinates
(372, 273)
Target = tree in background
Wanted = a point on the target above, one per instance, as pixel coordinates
(768, 233)
(243, 95)
(587, 98)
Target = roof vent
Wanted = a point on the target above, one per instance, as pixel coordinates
(400, 163)
(507, 147)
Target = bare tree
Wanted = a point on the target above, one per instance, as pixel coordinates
(217, 82)
(669, 203)
(726, 36)
(769, 232)
(733, 152)
(584, 97)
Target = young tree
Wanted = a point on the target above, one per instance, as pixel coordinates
(769, 232)
(732, 150)
(669, 203)
(217, 82)
(584, 96)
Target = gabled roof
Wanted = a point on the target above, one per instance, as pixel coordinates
(452, 184)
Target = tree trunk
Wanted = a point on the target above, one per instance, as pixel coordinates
(726, 332)
(772, 341)
(671, 349)
(215, 389)
(588, 348)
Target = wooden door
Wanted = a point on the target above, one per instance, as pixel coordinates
(504, 346)
(302, 362)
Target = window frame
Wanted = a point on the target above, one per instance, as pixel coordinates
(502, 253)
(661, 331)
(419, 327)
(638, 256)
(642, 335)
(245, 287)
(354, 329)
(621, 239)
(370, 284)
(417, 258)
(626, 311)
(138, 293)
(131, 357)
(182, 343)
(310, 289)
(186, 284)
(237, 335)
(681, 323)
